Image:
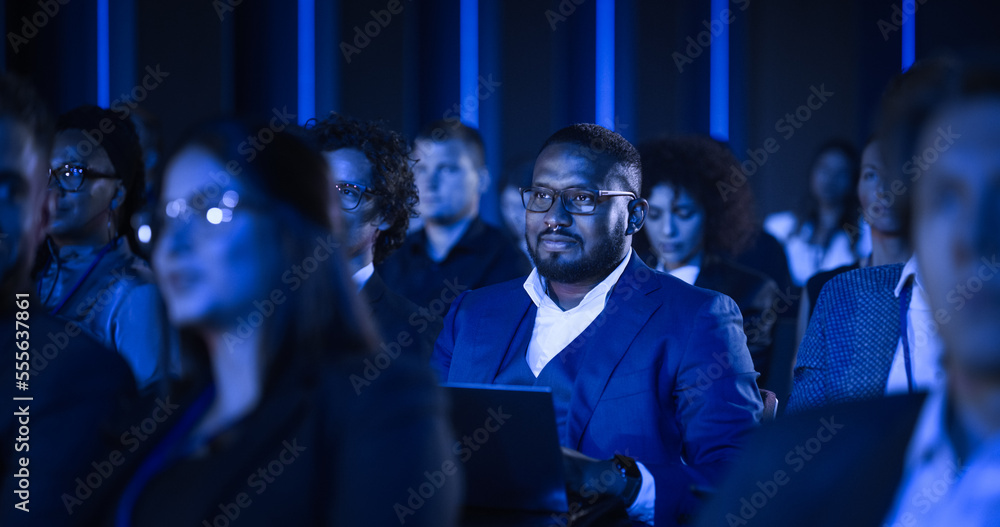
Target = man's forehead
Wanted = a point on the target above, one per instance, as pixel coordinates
(349, 164)
(451, 145)
(572, 162)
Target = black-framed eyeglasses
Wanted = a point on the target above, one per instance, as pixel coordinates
(71, 177)
(574, 200)
(350, 194)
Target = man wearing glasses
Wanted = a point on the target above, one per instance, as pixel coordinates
(639, 363)
(376, 197)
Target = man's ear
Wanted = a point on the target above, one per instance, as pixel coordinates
(637, 210)
(484, 180)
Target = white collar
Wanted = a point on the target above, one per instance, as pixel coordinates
(363, 275)
(689, 272)
(910, 270)
(535, 285)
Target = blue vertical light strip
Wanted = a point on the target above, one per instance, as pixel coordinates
(468, 69)
(604, 67)
(718, 106)
(103, 55)
(307, 61)
(909, 34)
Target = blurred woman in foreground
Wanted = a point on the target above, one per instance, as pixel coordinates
(281, 422)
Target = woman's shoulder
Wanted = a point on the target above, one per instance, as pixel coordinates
(126, 272)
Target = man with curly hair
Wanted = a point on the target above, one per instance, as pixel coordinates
(455, 250)
(373, 179)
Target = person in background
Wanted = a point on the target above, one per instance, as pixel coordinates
(515, 177)
(375, 196)
(691, 228)
(623, 348)
(873, 332)
(916, 459)
(72, 386)
(823, 234)
(88, 270)
(272, 360)
(455, 250)
(889, 241)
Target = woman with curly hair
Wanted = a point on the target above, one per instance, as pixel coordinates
(691, 226)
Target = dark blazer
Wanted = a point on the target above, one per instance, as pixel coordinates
(79, 387)
(829, 467)
(317, 451)
(852, 336)
(755, 295)
(666, 375)
(482, 256)
(400, 321)
(767, 255)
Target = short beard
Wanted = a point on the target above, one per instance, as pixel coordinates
(605, 258)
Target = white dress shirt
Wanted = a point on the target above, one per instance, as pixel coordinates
(689, 273)
(361, 277)
(806, 259)
(921, 332)
(555, 329)
(936, 489)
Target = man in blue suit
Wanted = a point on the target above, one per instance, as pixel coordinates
(651, 377)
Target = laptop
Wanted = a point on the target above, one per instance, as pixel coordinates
(508, 445)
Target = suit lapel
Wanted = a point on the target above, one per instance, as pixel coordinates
(512, 308)
(609, 337)
(877, 324)
(373, 290)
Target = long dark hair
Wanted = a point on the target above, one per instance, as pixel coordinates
(913, 98)
(322, 316)
(701, 165)
(808, 211)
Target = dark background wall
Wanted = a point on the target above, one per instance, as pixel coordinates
(240, 56)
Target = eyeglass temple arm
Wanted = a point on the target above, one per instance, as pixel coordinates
(615, 193)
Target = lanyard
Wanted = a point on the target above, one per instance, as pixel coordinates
(904, 306)
(104, 250)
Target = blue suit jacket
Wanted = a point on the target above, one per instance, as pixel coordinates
(667, 375)
(852, 336)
